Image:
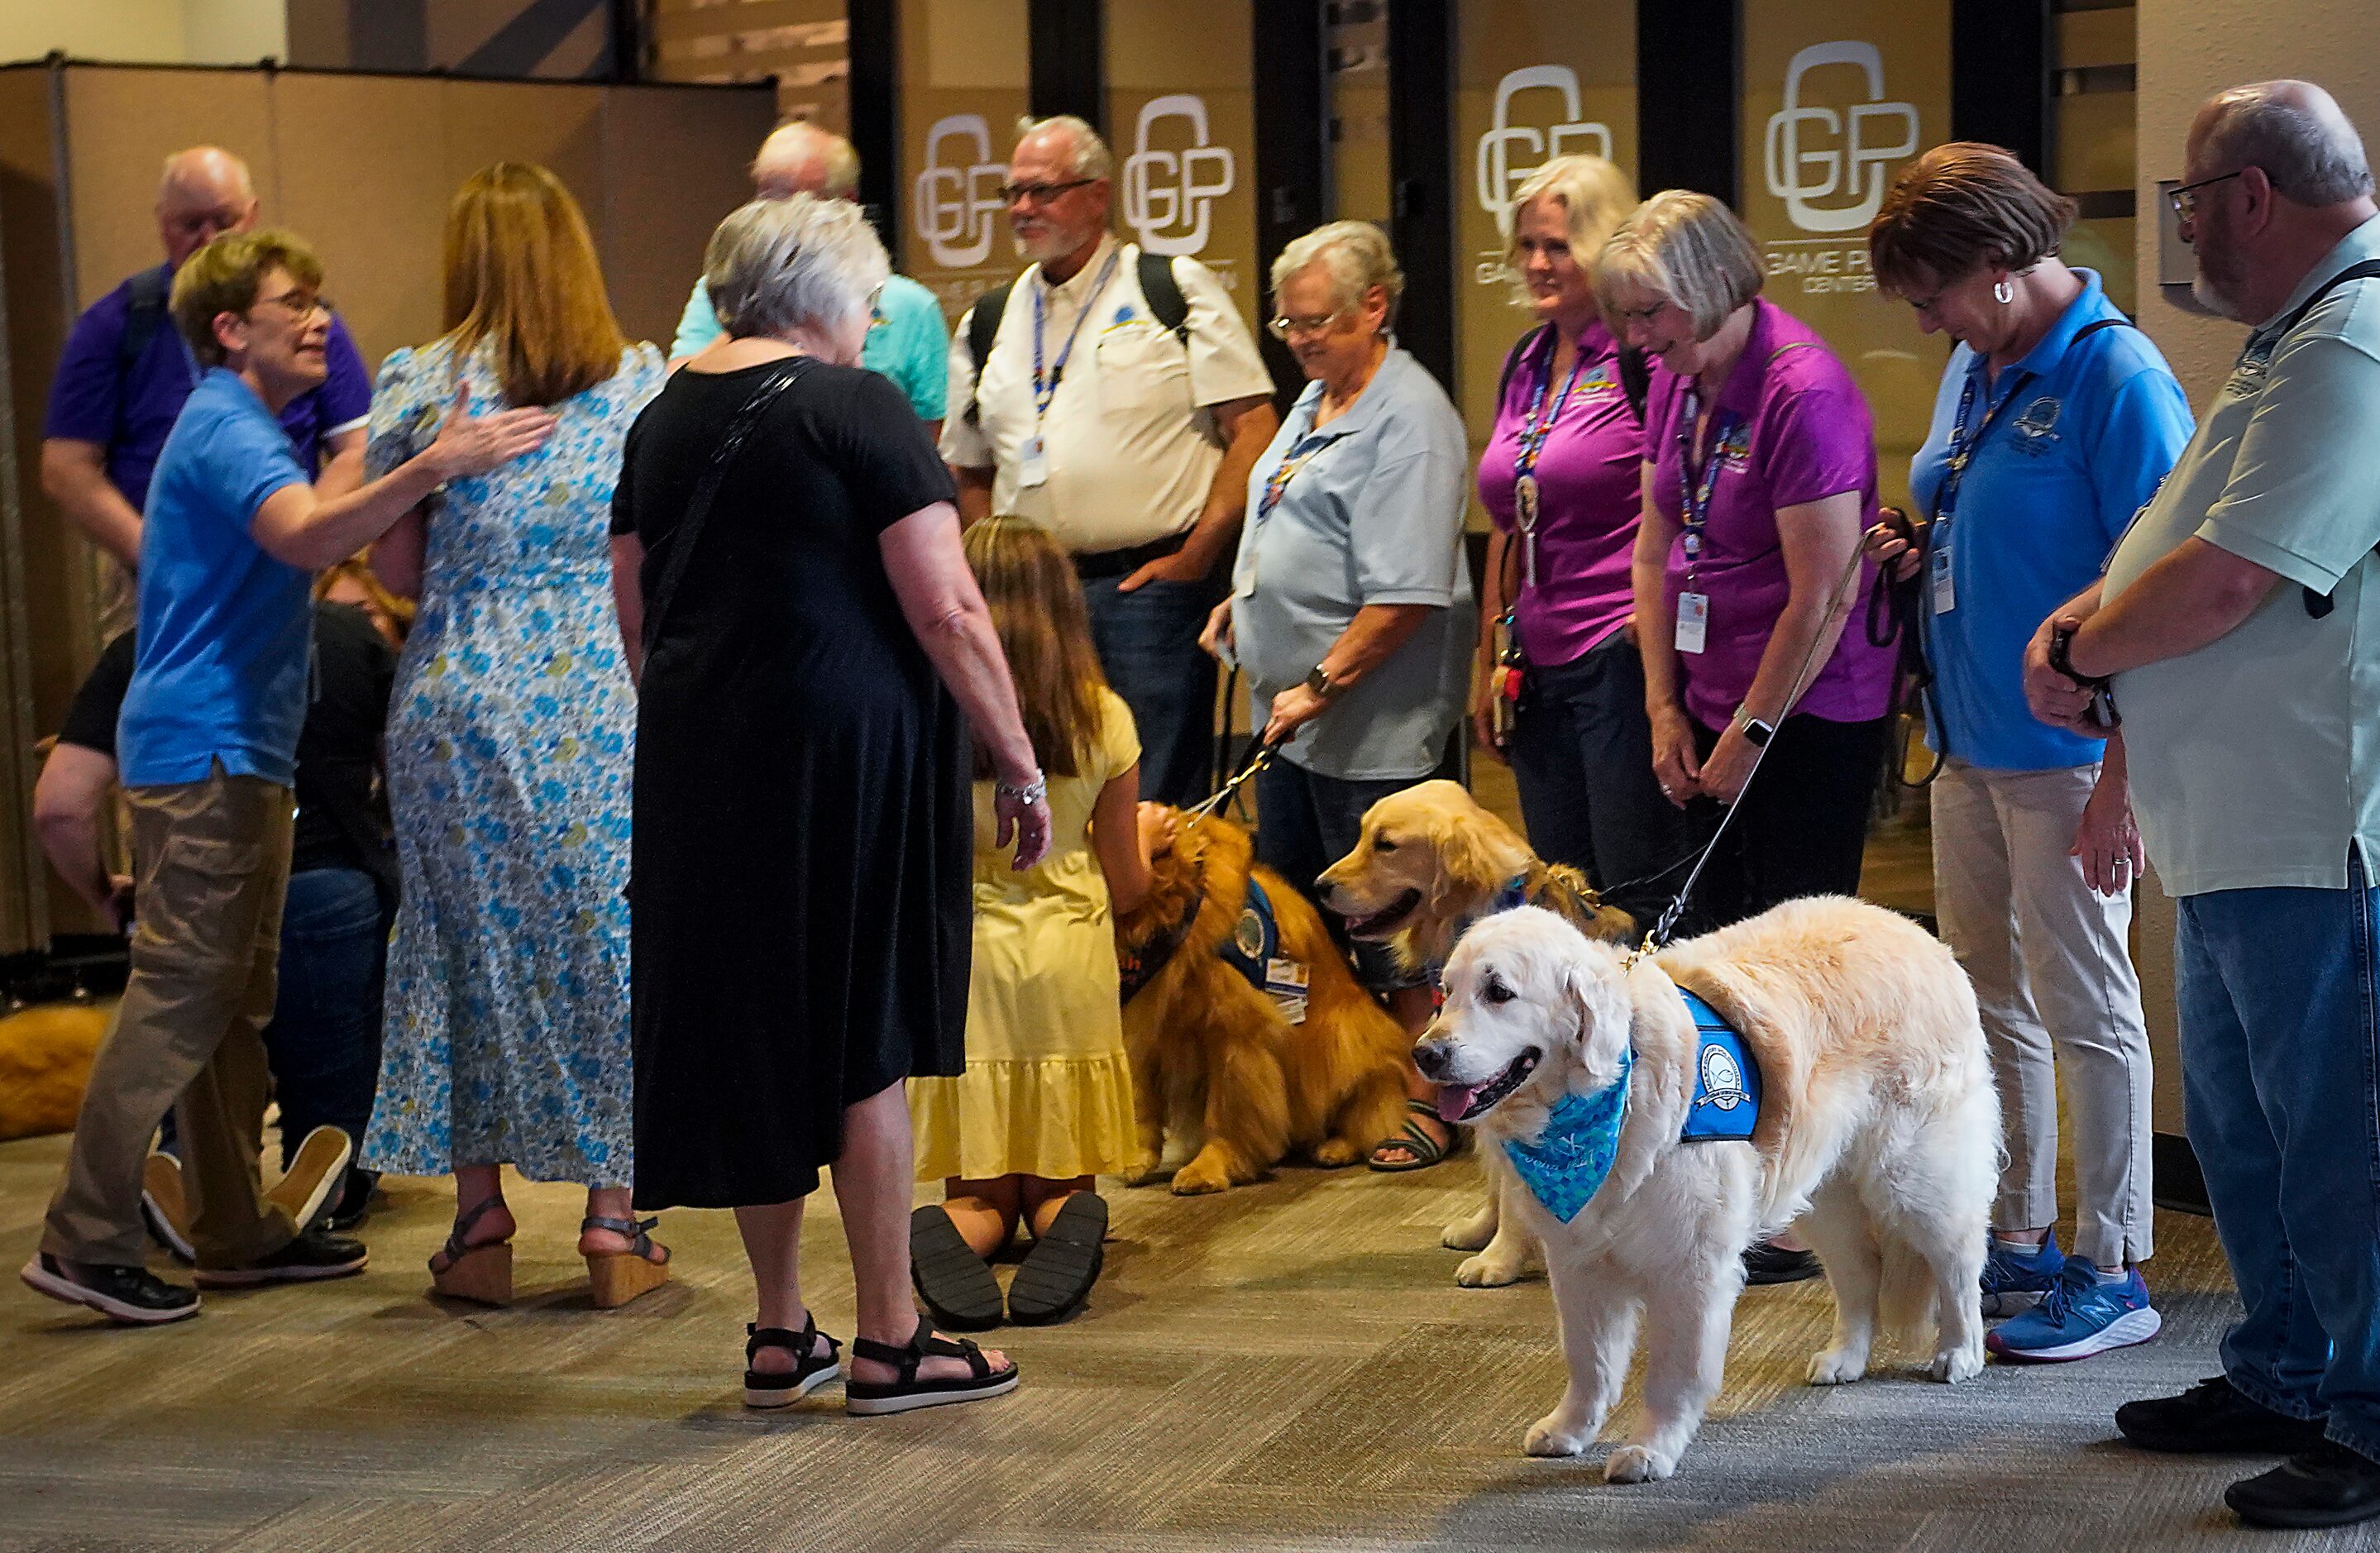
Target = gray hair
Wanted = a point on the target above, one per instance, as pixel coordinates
(2297, 134)
(1091, 158)
(774, 263)
(803, 146)
(1354, 254)
(1687, 248)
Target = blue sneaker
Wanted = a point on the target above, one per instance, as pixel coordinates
(2079, 1317)
(2014, 1282)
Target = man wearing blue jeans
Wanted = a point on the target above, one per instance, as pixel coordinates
(2239, 628)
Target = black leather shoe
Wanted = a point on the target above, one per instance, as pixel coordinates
(128, 1297)
(2212, 1418)
(312, 1256)
(1771, 1263)
(2328, 1486)
(347, 1210)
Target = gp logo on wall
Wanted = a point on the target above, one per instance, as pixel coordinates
(1814, 154)
(1168, 196)
(1509, 151)
(957, 202)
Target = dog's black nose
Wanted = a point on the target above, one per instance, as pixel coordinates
(1431, 1055)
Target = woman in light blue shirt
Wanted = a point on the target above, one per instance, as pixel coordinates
(2055, 422)
(1350, 607)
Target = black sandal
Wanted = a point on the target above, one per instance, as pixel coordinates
(1416, 1142)
(1057, 1274)
(955, 1283)
(909, 1393)
(814, 1363)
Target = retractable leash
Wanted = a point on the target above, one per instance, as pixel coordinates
(1838, 605)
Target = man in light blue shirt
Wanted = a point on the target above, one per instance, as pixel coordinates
(2239, 623)
(907, 342)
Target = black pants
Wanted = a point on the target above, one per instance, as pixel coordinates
(1803, 822)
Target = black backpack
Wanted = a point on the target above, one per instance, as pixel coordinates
(1635, 375)
(1166, 304)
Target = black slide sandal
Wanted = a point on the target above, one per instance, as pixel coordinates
(909, 1393)
(955, 1283)
(814, 1363)
(1057, 1274)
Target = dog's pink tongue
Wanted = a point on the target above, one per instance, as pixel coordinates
(1454, 1099)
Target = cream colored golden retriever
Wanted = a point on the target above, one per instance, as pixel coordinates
(1878, 1135)
(1225, 1083)
(1429, 862)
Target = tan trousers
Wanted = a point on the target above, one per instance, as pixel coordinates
(2053, 973)
(212, 861)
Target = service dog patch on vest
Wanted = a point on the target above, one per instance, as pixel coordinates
(1727, 1080)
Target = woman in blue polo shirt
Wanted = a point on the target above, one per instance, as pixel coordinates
(2055, 422)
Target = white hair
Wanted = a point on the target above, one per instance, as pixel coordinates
(775, 263)
(1090, 155)
(1354, 254)
(2297, 133)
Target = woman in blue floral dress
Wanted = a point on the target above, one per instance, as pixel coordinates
(510, 740)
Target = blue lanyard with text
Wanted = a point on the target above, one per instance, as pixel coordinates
(1963, 445)
(1045, 384)
(1694, 486)
(1535, 431)
(1277, 483)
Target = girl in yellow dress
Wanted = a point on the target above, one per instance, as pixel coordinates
(1045, 1102)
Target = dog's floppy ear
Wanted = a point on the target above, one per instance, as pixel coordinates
(1464, 850)
(1595, 1000)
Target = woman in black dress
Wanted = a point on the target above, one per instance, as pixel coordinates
(787, 559)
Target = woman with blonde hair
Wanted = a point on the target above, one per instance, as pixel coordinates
(506, 1036)
(1560, 691)
(1046, 1102)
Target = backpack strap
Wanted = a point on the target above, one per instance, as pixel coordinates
(983, 329)
(1635, 379)
(1521, 348)
(2318, 605)
(1166, 303)
(150, 291)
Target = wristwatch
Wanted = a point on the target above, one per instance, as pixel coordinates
(1319, 680)
(1756, 733)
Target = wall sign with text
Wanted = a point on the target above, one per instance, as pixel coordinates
(963, 88)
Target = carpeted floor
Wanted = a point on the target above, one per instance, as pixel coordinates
(1287, 1365)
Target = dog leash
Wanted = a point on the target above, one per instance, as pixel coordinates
(1837, 605)
(1223, 794)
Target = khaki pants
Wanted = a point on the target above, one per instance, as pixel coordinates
(213, 863)
(2054, 974)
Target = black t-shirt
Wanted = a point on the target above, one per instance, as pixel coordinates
(342, 819)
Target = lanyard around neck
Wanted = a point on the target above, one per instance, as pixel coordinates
(1533, 430)
(1277, 483)
(1694, 486)
(1964, 443)
(1045, 382)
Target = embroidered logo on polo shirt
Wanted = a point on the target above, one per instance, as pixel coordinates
(1600, 382)
(1734, 450)
(2037, 429)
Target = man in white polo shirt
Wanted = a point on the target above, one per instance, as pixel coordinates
(2239, 624)
(1119, 404)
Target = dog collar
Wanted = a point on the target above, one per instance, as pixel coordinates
(1569, 1162)
(1137, 967)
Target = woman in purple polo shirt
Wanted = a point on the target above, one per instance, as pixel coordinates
(1560, 479)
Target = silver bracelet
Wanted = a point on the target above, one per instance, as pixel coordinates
(1032, 793)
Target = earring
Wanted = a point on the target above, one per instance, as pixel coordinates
(2001, 293)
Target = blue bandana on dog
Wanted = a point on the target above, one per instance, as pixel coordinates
(1569, 1162)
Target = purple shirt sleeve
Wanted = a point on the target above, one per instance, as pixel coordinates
(83, 393)
(343, 401)
(1816, 443)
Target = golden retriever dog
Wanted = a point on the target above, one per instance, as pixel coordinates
(1427, 863)
(45, 1060)
(1226, 1085)
(1877, 1133)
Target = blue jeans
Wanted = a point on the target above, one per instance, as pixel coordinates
(2279, 1024)
(1148, 642)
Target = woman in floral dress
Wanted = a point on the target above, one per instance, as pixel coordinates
(510, 738)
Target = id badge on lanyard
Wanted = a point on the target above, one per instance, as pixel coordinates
(1033, 458)
(1536, 427)
(1695, 488)
(1941, 577)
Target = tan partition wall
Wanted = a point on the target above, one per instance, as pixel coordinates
(1838, 96)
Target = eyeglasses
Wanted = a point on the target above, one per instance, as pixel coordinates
(1283, 328)
(1639, 315)
(299, 305)
(1041, 193)
(2184, 199)
(1927, 304)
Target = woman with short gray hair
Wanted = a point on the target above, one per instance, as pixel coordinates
(787, 565)
(1351, 610)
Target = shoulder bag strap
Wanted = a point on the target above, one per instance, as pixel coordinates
(689, 527)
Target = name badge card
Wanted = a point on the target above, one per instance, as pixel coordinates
(1032, 463)
(1694, 620)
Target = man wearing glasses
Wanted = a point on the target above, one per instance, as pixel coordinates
(2239, 623)
(1119, 404)
(125, 371)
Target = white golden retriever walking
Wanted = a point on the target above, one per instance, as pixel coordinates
(1878, 1132)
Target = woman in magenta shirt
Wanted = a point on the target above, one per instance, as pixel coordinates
(1558, 578)
(1760, 479)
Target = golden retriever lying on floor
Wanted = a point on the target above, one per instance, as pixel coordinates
(1878, 1130)
(1429, 862)
(1217, 1064)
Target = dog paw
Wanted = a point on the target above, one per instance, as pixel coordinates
(1147, 1173)
(1637, 1463)
(1196, 1181)
(1336, 1153)
(1552, 1436)
(1836, 1367)
(1955, 1364)
(1484, 1271)
(1467, 1234)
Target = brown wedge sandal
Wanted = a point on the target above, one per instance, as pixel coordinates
(621, 1276)
(482, 1274)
